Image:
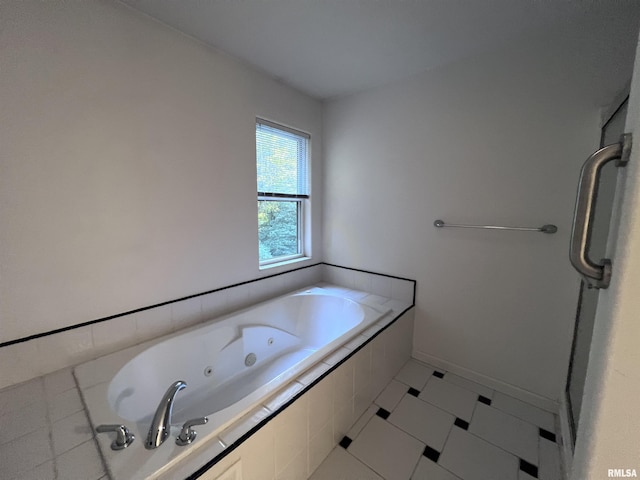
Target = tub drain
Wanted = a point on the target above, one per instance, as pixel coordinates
(208, 371)
(250, 359)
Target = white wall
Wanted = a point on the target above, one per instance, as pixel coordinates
(127, 164)
(496, 139)
(609, 432)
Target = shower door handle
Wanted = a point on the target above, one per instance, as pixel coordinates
(597, 275)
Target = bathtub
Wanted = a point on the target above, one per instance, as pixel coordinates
(231, 365)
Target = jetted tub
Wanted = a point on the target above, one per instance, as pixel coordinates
(230, 366)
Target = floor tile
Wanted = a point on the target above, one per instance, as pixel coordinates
(452, 398)
(25, 453)
(506, 431)
(468, 384)
(549, 467)
(427, 423)
(82, 461)
(44, 471)
(386, 449)
(20, 422)
(525, 476)
(472, 458)
(19, 396)
(64, 405)
(525, 411)
(391, 395)
(362, 421)
(427, 470)
(340, 465)
(70, 432)
(414, 374)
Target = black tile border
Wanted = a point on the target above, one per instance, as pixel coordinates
(413, 391)
(181, 299)
(460, 423)
(547, 435)
(230, 448)
(382, 413)
(483, 399)
(528, 468)
(431, 453)
(438, 374)
(345, 442)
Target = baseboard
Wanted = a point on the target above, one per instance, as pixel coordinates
(565, 430)
(503, 387)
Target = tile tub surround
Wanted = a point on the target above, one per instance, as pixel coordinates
(35, 455)
(51, 352)
(415, 433)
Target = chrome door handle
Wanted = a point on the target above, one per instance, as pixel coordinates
(597, 275)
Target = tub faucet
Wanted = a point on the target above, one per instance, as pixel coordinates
(161, 423)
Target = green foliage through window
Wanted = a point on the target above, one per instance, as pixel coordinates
(281, 161)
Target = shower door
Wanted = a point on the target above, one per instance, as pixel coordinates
(588, 298)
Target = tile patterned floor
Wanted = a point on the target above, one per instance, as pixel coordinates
(432, 425)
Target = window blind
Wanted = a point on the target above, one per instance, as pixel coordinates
(281, 161)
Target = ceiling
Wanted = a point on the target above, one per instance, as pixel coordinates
(330, 48)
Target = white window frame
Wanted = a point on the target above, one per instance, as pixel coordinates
(302, 201)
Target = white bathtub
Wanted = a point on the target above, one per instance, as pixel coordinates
(285, 336)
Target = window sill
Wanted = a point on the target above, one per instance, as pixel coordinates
(284, 262)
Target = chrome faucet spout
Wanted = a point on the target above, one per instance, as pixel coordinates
(161, 423)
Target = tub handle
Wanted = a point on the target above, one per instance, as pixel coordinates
(124, 437)
(187, 434)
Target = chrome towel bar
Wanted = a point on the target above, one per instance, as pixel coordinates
(543, 229)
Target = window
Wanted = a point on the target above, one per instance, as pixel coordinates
(283, 191)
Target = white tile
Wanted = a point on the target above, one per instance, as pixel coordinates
(25, 453)
(371, 331)
(428, 470)
(320, 445)
(340, 465)
(258, 455)
(237, 297)
(355, 342)
(357, 427)
(153, 323)
(362, 369)
(296, 469)
(549, 467)
(337, 356)
(291, 433)
(45, 471)
(402, 290)
(19, 396)
(320, 404)
(525, 411)
(427, 423)
(362, 281)
(414, 374)
(21, 422)
(214, 304)
(375, 300)
(58, 382)
(313, 373)
(66, 348)
(186, 313)
(381, 285)
(82, 461)
(506, 431)
(230, 435)
(472, 458)
(341, 276)
(113, 335)
(391, 395)
(20, 362)
(387, 450)
(468, 384)
(343, 384)
(452, 398)
(65, 404)
(70, 432)
(342, 420)
(283, 396)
